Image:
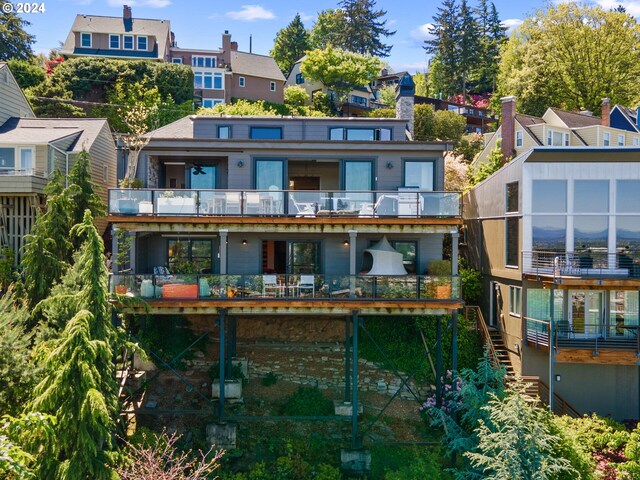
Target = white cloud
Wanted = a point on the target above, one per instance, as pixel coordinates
(250, 13)
(420, 34)
(139, 3)
(410, 67)
(306, 17)
(511, 24)
(632, 7)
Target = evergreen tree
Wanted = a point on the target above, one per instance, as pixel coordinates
(495, 37)
(81, 191)
(469, 46)
(80, 389)
(328, 29)
(364, 28)
(290, 45)
(15, 42)
(444, 45)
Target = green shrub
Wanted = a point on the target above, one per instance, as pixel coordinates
(308, 402)
(269, 379)
(235, 374)
(295, 95)
(427, 464)
(439, 267)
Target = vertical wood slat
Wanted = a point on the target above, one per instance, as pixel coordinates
(17, 217)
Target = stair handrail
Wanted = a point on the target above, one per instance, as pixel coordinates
(481, 327)
(564, 407)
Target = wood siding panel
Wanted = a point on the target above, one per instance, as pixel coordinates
(12, 101)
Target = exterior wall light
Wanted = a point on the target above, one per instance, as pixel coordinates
(389, 165)
(244, 242)
(240, 164)
(346, 243)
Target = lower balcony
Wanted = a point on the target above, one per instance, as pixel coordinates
(299, 293)
(579, 342)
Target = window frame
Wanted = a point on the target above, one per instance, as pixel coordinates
(510, 220)
(146, 42)
(205, 58)
(242, 82)
(133, 42)
(507, 196)
(606, 139)
(18, 159)
(299, 78)
(113, 36)
(272, 86)
(229, 130)
(177, 60)
(519, 138)
(407, 161)
(82, 45)
(515, 312)
(189, 249)
(254, 128)
(621, 143)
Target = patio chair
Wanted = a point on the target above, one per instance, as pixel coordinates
(304, 209)
(232, 202)
(270, 287)
(162, 275)
(307, 283)
(252, 203)
(385, 205)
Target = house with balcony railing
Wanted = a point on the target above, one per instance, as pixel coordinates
(556, 235)
(31, 149)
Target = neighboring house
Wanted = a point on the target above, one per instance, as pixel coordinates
(32, 148)
(625, 119)
(387, 79)
(275, 218)
(559, 128)
(556, 235)
(226, 73)
(358, 102)
(119, 37)
(479, 120)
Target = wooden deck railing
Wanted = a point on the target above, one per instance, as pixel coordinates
(541, 390)
(473, 313)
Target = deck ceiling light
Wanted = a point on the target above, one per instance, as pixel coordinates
(244, 242)
(240, 164)
(389, 165)
(346, 243)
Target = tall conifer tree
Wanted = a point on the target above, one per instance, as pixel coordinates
(444, 44)
(364, 28)
(290, 45)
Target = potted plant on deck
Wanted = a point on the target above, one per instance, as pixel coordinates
(168, 202)
(128, 204)
(439, 286)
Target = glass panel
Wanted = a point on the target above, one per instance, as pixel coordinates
(178, 255)
(549, 196)
(304, 257)
(419, 174)
(128, 42)
(203, 177)
(591, 196)
(512, 197)
(208, 80)
(142, 43)
(591, 233)
(269, 175)
(217, 81)
(366, 134)
(557, 139)
(336, 134)
(628, 234)
(85, 39)
(358, 175)
(627, 197)
(26, 159)
(549, 232)
(266, 133)
(224, 132)
(408, 251)
(197, 80)
(538, 304)
(623, 313)
(586, 313)
(201, 255)
(114, 41)
(7, 157)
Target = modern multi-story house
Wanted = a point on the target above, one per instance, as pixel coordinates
(359, 101)
(479, 120)
(119, 37)
(556, 234)
(519, 133)
(256, 218)
(31, 149)
(226, 73)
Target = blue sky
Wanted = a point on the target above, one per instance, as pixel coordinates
(200, 23)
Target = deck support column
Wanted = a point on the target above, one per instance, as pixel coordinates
(439, 360)
(231, 343)
(223, 251)
(347, 367)
(454, 343)
(115, 268)
(223, 313)
(356, 442)
(353, 236)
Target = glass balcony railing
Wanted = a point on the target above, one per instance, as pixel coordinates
(310, 204)
(582, 264)
(285, 287)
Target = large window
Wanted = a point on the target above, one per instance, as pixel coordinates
(203, 177)
(85, 40)
(360, 134)
(114, 42)
(358, 175)
(549, 196)
(7, 158)
(224, 131)
(266, 133)
(623, 312)
(203, 62)
(591, 234)
(557, 139)
(549, 232)
(419, 174)
(143, 44)
(512, 241)
(26, 160)
(519, 138)
(304, 257)
(190, 256)
(606, 139)
(409, 255)
(515, 301)
(591, 196)
(512, 197)
(627, 196)
(207, 80)
(628, 234)
(269, 175)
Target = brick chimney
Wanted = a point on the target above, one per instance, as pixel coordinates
(234, 46)
(126, 12)
(226, 47)
(173, 39)
(606, 112)
(508, 125)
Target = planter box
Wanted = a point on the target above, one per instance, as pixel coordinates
(232, 390)
(127, 206)
(176, 205)
(443, 291)
(180, 290)
(145, 207)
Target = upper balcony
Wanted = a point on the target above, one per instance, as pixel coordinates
(285, 203)
(582, 265)
(14, 181)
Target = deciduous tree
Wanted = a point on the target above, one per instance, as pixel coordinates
(571, 56)
(15, 42)
(290, 44)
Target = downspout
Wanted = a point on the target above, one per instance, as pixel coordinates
(66, 166)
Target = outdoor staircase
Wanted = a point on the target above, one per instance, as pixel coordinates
(536, 389)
